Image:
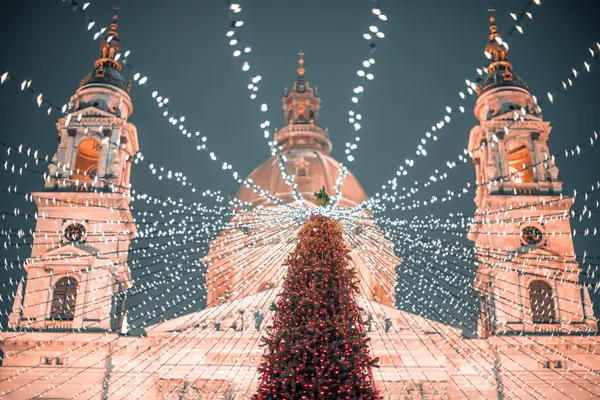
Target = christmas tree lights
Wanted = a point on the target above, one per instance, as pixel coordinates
(316, 347)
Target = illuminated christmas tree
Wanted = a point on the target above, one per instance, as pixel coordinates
(316, 347)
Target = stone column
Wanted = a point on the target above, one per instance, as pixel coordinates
(49, 294)
(484, 160)
(103, 159)
(126, 160)
(15, 315)
(537, 158)
(478, 176)
(80, 299)
(478, 173)
(521, 297)
(552, 170)
(86, 290)
(69, 159)
(502, 156)
(557, 306)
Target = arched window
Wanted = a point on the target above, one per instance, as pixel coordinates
(542, 302)
(63, 299)
(86, 160)
(301, 112)
(301, 168)
(520, 163)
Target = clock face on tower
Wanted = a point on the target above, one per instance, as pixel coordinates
(530, 235)
(75, 232)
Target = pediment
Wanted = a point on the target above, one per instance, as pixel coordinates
(531, 253)
(76, 254)
(92, 111)
(531, 117)
(73, 249)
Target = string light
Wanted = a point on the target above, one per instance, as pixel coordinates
(278, 222)
(421, 151)
(253, 87)
(187, 132)
(355, 116)
(461, 158)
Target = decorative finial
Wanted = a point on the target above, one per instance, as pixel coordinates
(114, 26)
(496, 51)
(322, 197)
(109, 48)
(301, 62)
(493, 28)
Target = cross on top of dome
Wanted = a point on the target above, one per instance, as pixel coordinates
(301, 85)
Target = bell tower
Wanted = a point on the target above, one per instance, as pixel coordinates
(301, 105)
(528, 275)
(77, 275)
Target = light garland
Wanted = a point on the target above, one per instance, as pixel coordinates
(375, 33)
(435, 273)
(273, 225)
(113, 340)
(179, 121)
(462, 158)
(240, 50)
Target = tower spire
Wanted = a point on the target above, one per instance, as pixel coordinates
(114, 26)
(499, 70)
(110, 47)
(301, 106)
(301, 62)
(107, 68)
(493, 29)
(496, 49)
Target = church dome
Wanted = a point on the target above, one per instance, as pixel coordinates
(312, 169)
(499, 78)
(109, 76)
(305, 147)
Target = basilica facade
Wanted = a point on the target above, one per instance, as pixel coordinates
(537, 334)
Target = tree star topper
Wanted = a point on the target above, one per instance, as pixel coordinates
(322, 197)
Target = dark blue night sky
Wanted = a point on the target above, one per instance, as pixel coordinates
(431, 47)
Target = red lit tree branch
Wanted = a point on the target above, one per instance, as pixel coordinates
(316, 347)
